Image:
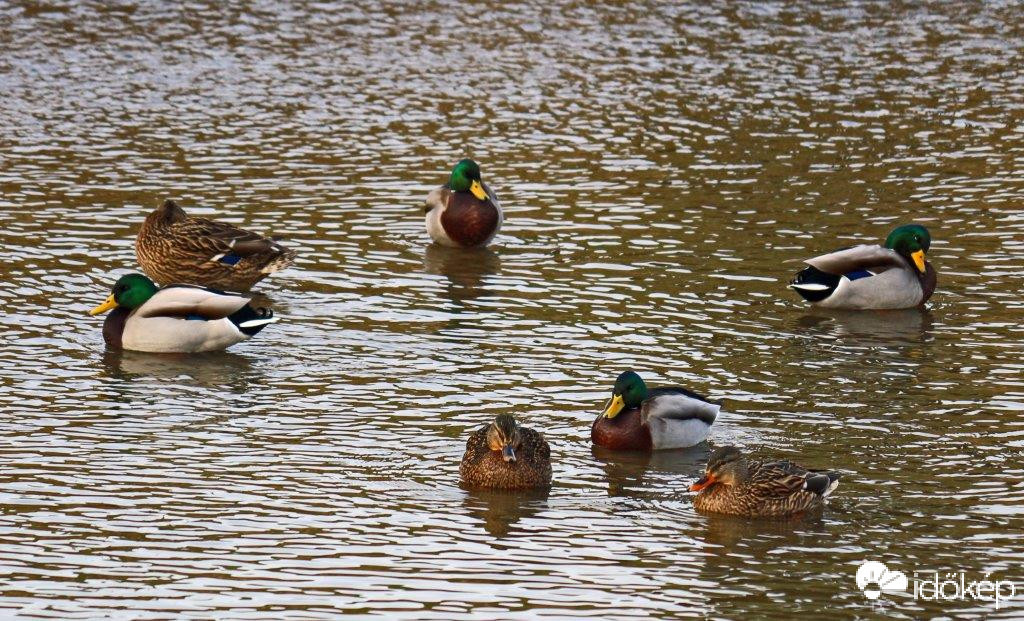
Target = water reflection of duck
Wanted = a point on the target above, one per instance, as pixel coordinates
(465, 268)
(219, 368)
(625, 470)
(499, 510)
(911, 324)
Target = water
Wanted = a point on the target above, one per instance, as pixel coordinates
(664, 169)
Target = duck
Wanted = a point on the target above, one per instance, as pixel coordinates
(504, 455)
(872, 277)
(641, 419)
(173, 247)
(176, 318)
(464, 212)
(734, 485)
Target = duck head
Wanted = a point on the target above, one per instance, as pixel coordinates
(726, 466)
(503, 436)
(629, 392)
(911, 241)
(129, 292)
(465, 177)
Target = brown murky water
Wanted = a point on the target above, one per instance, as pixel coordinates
(664, 168)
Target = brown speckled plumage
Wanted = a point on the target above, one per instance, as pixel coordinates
(485, 468)
(762, 488)
(175, 248)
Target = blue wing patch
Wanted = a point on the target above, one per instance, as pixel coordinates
(230, 258)
(859, 274)
(193, 317)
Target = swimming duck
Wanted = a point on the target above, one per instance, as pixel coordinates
(871, 277)
(638, 419)
(464, 212)
(734, 485)
(177, 318)
(503, 455)
(175, 248)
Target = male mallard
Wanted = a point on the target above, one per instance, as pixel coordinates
(177, 318)
(463, 213)
(503, 455)
(732, 484)
(870, 277)
(175, 248)
(638, 419)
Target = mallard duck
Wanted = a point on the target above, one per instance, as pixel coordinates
(175, 248)
(177, 318)
(503, 455)
(463, 213)
(734, 485)
(870, 277)
(638, 419)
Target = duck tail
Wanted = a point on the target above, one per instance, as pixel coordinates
(281, 261)
(813, 284)
(250, 321)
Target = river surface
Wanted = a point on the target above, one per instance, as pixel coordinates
(664, 168)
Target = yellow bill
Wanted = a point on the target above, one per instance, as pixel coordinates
(918, 258)
(478, 190)
(614, 407)
(108, 304)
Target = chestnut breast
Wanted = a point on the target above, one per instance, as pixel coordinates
(625, 432)
(467, 220)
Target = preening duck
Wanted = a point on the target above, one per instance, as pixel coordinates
(173, 247)
(871, 277)
(177, 318)
(638, 419)
(734, 485)
(464, 212)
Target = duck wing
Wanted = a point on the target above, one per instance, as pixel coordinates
(191, 301)
(864, 258)
(675, 403)
(220, 241)
(785, 478)
(437, 199)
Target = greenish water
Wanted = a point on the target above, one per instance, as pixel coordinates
(664, 168)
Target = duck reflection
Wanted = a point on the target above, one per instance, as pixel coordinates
(219, 368)
(911, 325)
(465, 268)
(626, 470)
(499, 510)
(735, 534)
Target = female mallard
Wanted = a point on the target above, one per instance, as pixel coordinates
(463, 213)
(872, 277)
(732, 484)
(175, 248)
(503, 455)
(178, 318)
(638, 419)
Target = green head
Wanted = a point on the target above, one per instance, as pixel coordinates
(130, 291)
(503, 435)
(465, 177)
(629, 392)
(911, 241)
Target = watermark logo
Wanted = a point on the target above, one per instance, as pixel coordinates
(874, 578)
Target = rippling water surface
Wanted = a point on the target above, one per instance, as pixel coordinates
(664, 169)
